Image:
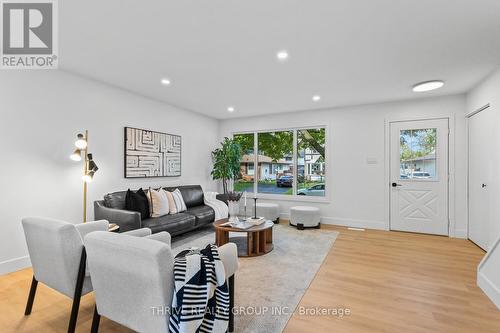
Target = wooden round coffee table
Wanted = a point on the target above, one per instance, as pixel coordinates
(259, 238)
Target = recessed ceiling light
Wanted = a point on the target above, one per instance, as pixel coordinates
(316, 98)
(428, 86)
(230, 109)
(166, 82)
(282, 55)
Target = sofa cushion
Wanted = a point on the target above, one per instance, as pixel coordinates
(192, 194)
(204, 214)
(173, 224)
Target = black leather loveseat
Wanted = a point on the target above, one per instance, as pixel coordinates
(112, 208)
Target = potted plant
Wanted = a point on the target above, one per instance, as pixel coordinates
(226, 166)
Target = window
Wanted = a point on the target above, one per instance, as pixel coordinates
(288, 162)
(418, 153)
(275, 172)
(311, 162)
(244, 183)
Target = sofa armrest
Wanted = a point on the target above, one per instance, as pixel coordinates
(143, 232)
(85, 228)
(163, 237)
(228, 254)
(127, 220)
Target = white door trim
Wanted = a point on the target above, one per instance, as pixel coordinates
(467, 152)
(451, 166)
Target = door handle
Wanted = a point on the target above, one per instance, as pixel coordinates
(395, 184)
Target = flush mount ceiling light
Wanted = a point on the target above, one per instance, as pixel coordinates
(428, 86)
(230, 109)
(316, 98)
(282, 55)
(166, 82)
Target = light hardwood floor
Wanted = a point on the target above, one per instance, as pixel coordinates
(399, 282)
(390, 281)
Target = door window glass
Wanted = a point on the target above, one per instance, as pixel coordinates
(418, 154)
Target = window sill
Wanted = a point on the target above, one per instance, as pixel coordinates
(296, 198)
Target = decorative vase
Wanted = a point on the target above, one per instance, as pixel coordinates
(234, 209)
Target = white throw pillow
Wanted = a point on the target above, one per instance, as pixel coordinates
(159, 202)
(179, 201)
(171, 202)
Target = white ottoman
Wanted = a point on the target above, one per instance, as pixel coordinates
(270, 211)
(305, 217)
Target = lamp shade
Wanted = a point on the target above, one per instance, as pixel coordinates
(89, 176)
(76, 156)
(81, 142)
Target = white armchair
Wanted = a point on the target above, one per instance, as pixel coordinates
(133, 279)
(58, 258)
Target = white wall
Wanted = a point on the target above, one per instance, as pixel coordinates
(488, 92)
(40, 114)
(357, 190)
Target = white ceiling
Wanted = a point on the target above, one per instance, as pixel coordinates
(221, 53)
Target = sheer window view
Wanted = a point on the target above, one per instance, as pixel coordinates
(418, 153)
(274, 170)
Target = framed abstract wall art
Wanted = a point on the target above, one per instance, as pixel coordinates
(151, 154)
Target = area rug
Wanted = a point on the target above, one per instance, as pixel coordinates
(269, 287)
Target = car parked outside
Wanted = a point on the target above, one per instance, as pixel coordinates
(316, 190)
(285, 181)
(421, 175)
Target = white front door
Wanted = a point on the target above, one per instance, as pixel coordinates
(481, 169)
(419, 176)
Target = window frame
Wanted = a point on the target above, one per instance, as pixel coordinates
(294, 196)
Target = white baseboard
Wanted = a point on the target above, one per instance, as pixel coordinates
(460, 233)
(285, 216)
(489, 288)
(368, 224)
(15, 264)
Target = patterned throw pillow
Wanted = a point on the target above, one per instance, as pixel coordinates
(159, 202)
(171, 202)
(179, 201)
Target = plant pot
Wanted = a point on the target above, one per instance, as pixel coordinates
(222, 197)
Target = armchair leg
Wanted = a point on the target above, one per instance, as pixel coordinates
(95, 321)
(78, 293)
(31, 297)
(231, 304)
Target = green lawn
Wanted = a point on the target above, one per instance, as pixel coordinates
(241, 186)
(307, 184)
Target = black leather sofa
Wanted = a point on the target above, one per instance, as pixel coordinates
(112, 208)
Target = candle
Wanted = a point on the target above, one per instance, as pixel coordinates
(245, 198)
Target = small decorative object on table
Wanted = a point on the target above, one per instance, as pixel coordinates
(233, 199)
(113, 227)
(255, 221)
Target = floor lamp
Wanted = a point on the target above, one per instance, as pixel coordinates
(89, 166)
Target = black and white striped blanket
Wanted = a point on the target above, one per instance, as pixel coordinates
(201, 298)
